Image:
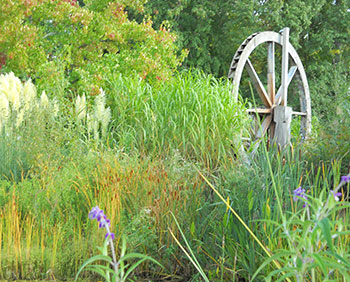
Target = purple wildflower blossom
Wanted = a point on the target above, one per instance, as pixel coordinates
(336, 195)
(104, 222)
(299, 193)
(345, 178)
(110, 234)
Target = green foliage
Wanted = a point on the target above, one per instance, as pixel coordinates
(26, 122)
(60, 43)
(315, 239)
(190, 255)
(192, 114)
(330, 142)
(232, 251)
(132, 151)
(122, 271)
(213, 30)
(210, 30)
(325, 55)
(52, 207)
(158, 133)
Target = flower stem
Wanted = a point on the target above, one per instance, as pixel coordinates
(110, 241)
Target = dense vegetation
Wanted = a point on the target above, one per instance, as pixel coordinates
(124, 105)
(212, 30)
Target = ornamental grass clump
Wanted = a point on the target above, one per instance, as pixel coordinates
(96, 120)
(19, 102)
(117, 271)
(26, 122)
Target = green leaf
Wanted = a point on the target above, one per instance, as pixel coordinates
(283, 277)
(251, 200)
(320, 263)
(104, 249)
(190, 256)
(306, 228)
(326, 230)
(280, 254)
(91, 260)
(132, 268)
(192, 228)
(140, 256)
(121, 260)
(102, 270)
(341, 258)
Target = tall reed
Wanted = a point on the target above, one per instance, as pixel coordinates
(41, 215)
(192, 114)
(249, 192)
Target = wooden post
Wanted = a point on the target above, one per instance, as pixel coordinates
(285, 56)
(271, 82)
(282, 117)
(271, 71)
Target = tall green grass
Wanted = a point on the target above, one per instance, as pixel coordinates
(249, 191)
(193, 115)
(158, 132)
(45, 231)
(140, 175)
(14, 160)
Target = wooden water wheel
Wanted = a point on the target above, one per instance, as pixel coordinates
(273, 112)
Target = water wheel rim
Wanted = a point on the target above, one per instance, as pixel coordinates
(241, 60)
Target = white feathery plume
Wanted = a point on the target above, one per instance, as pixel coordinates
(4, 109)
(80, 107)
(29, 94)
(44, 100)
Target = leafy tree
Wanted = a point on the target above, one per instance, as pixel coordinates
(320, 33)
(63, 45)
(326, 55)
(213, 30)
(210, 30)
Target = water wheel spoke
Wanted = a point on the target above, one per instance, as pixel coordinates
(264, 126)
(271, 71)
(272, 101)
(257, 84)
(291, 74)
(299, 113)
(259, 111)
(285, 56)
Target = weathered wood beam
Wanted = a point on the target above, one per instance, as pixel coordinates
(282, 117)
(298, 113)
(271, 71)
(257, 84)
(285, 56)
(291, 74)
(259, 111)
(264, 126)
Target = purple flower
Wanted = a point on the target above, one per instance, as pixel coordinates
(110, 234)
(345, 178)
(104, 222)
(336, 195)
(96, 213)
(299, 193)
